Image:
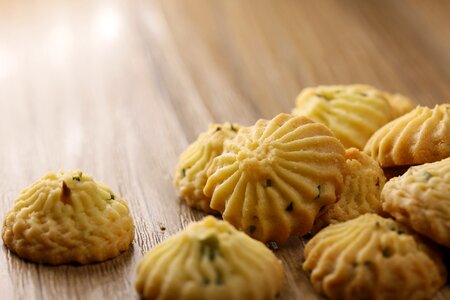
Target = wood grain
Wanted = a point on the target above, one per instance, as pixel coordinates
(119, 89)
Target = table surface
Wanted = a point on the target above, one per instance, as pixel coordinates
(119, 89)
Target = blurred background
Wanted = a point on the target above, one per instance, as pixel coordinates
(210, 59)
(252, 51)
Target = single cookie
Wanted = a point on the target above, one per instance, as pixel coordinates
(371, 257)
(274, 177)
(421, 199)
(190, 172)
(352, 112)
(420, 136)
(210, 259)
(363, 182)
(68, 217)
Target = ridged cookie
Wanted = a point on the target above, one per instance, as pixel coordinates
(421, 199)
(274, 177)
(210, 259)
(68, 217)
(352, 112)
(371, 257)
(363, 183)
(420, 136)
(190, 172)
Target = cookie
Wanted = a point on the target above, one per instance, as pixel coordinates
(274, 177)
(363, 183)
(352, 112)
(372, 257)
(190, 172)
(421, 136)
(68, 217)
(210, 259)
(421, 199)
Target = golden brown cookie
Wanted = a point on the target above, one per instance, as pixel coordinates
(421, 199)
(210, 259)
(68, 217)
(353, 112)
(372, 257)
(363, 182)
(190, 172)
(420, 136)
(273, 178)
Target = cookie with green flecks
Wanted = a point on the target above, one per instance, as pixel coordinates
(68, 217)
(372, 257)
(190, 171)
(210, 259)
(420, 198)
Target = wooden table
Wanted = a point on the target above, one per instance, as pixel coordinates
(119, 89)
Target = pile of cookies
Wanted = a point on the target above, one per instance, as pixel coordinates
(323, 170)
(320, 171)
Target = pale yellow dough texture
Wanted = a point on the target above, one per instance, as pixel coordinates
(190, 172)
(68, 217)
(371, 257)
(421, 199)
(274, 177)
(363, 182)
(420, 136)
(352, 112)
(210, 259)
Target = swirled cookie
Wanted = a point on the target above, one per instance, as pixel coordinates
(210, 259)
(68, 217)
(352, 112)
(363, 183)
(371, 257)
(190, 172)
(274, 177)
(421, 199)
(420, 136)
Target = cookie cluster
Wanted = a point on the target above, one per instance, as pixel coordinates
(324, 171)
(320, 171)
